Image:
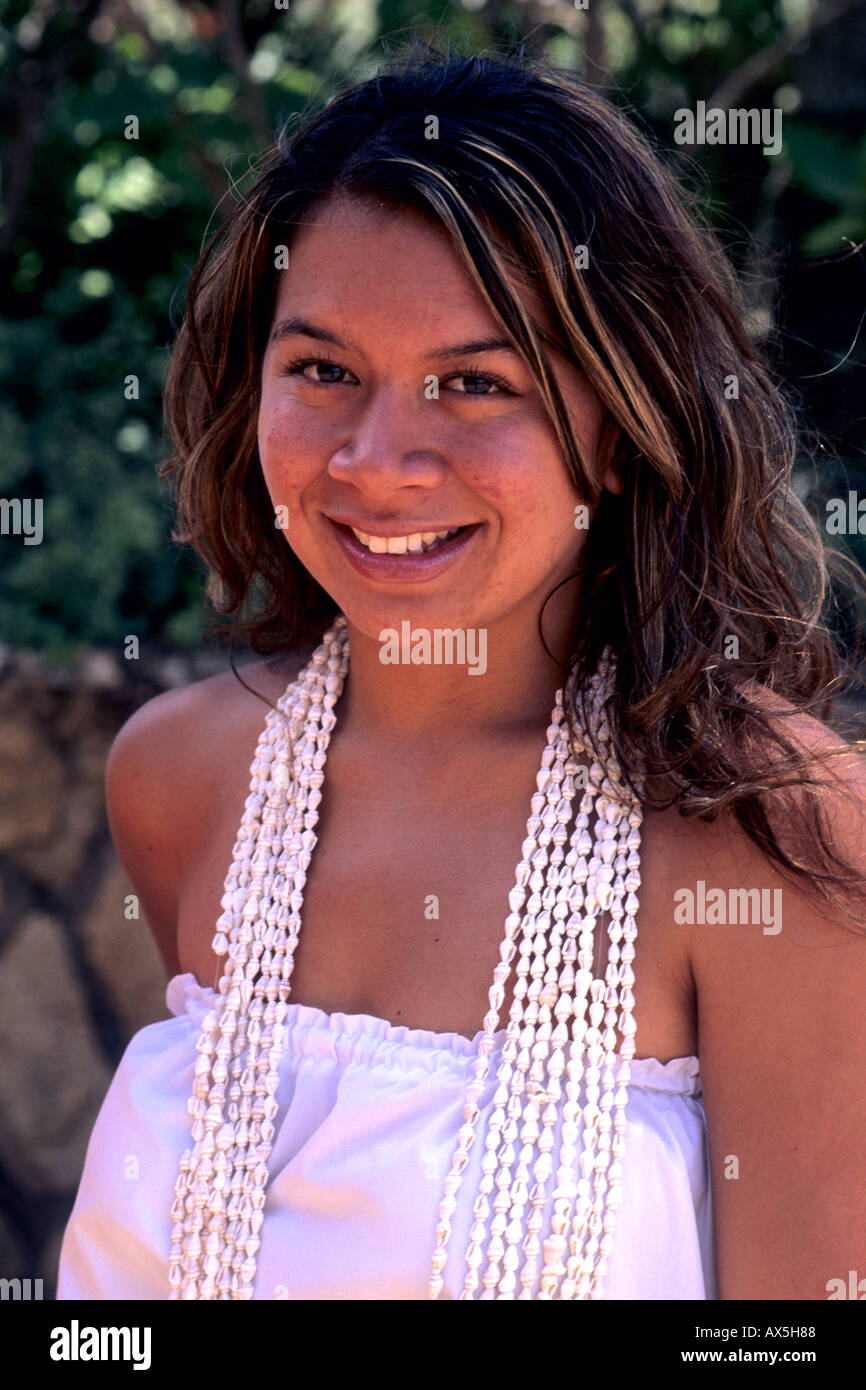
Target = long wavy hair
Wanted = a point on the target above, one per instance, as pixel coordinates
(708, 542)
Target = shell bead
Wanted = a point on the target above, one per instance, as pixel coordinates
(557, 1064)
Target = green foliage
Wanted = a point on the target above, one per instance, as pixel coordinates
(834, 172)
(100, 231)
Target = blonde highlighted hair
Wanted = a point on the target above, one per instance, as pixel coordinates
(707, 542)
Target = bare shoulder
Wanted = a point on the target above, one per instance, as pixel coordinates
(810, 733)
(167, 769)
(177, 733)
(178, 723)
(842, 777)
(721, 854)
(749, 963)
(780, 976)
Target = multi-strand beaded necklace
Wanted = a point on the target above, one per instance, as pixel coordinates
(559, 1065)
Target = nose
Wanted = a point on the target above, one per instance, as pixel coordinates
(389, 445)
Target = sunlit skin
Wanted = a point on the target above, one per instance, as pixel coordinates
(430, 771)
(355, 436)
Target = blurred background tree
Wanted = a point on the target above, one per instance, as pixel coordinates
(100, 231)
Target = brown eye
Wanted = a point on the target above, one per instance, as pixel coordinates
(473, 383)
(300, 366)
(481, 384)
(327, 367)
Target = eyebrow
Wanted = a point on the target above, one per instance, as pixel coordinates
(293, 326)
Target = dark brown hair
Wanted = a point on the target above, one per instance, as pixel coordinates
(708, 543)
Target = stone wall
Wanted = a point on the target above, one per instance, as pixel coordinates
(77, 977)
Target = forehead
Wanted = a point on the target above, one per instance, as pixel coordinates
(340, 215)
(369, 257)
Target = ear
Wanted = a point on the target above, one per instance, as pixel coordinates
(610, 457)
(614, 476)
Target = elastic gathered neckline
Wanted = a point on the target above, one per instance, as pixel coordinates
(372, 1041)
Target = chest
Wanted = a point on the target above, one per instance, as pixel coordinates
(407, 895)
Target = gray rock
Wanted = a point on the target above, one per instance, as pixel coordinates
(31, 784)
(123, 953)
(53, 1076)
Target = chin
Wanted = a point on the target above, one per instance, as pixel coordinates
(392, 612)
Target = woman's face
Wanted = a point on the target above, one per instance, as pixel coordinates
(377, 414)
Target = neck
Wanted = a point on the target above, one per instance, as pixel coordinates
(504, 686)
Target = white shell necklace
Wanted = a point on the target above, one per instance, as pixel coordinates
(559, 1067)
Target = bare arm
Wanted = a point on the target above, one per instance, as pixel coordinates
(172, 770)
(782, 1041)
(141, 797)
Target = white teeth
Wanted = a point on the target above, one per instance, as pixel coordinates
(399, 545)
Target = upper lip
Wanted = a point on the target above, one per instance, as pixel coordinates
(399, 528)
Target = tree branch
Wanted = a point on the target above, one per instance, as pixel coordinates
(239, 58)
(36, 75)
(760, 65)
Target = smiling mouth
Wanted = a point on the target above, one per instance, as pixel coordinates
(415, 554)
(418, 543)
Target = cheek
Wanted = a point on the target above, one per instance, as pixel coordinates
(520, 472)
(290, 447)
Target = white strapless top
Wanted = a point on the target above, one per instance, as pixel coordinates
(368, 1119)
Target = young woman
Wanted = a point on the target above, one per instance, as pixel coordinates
(483, 463)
